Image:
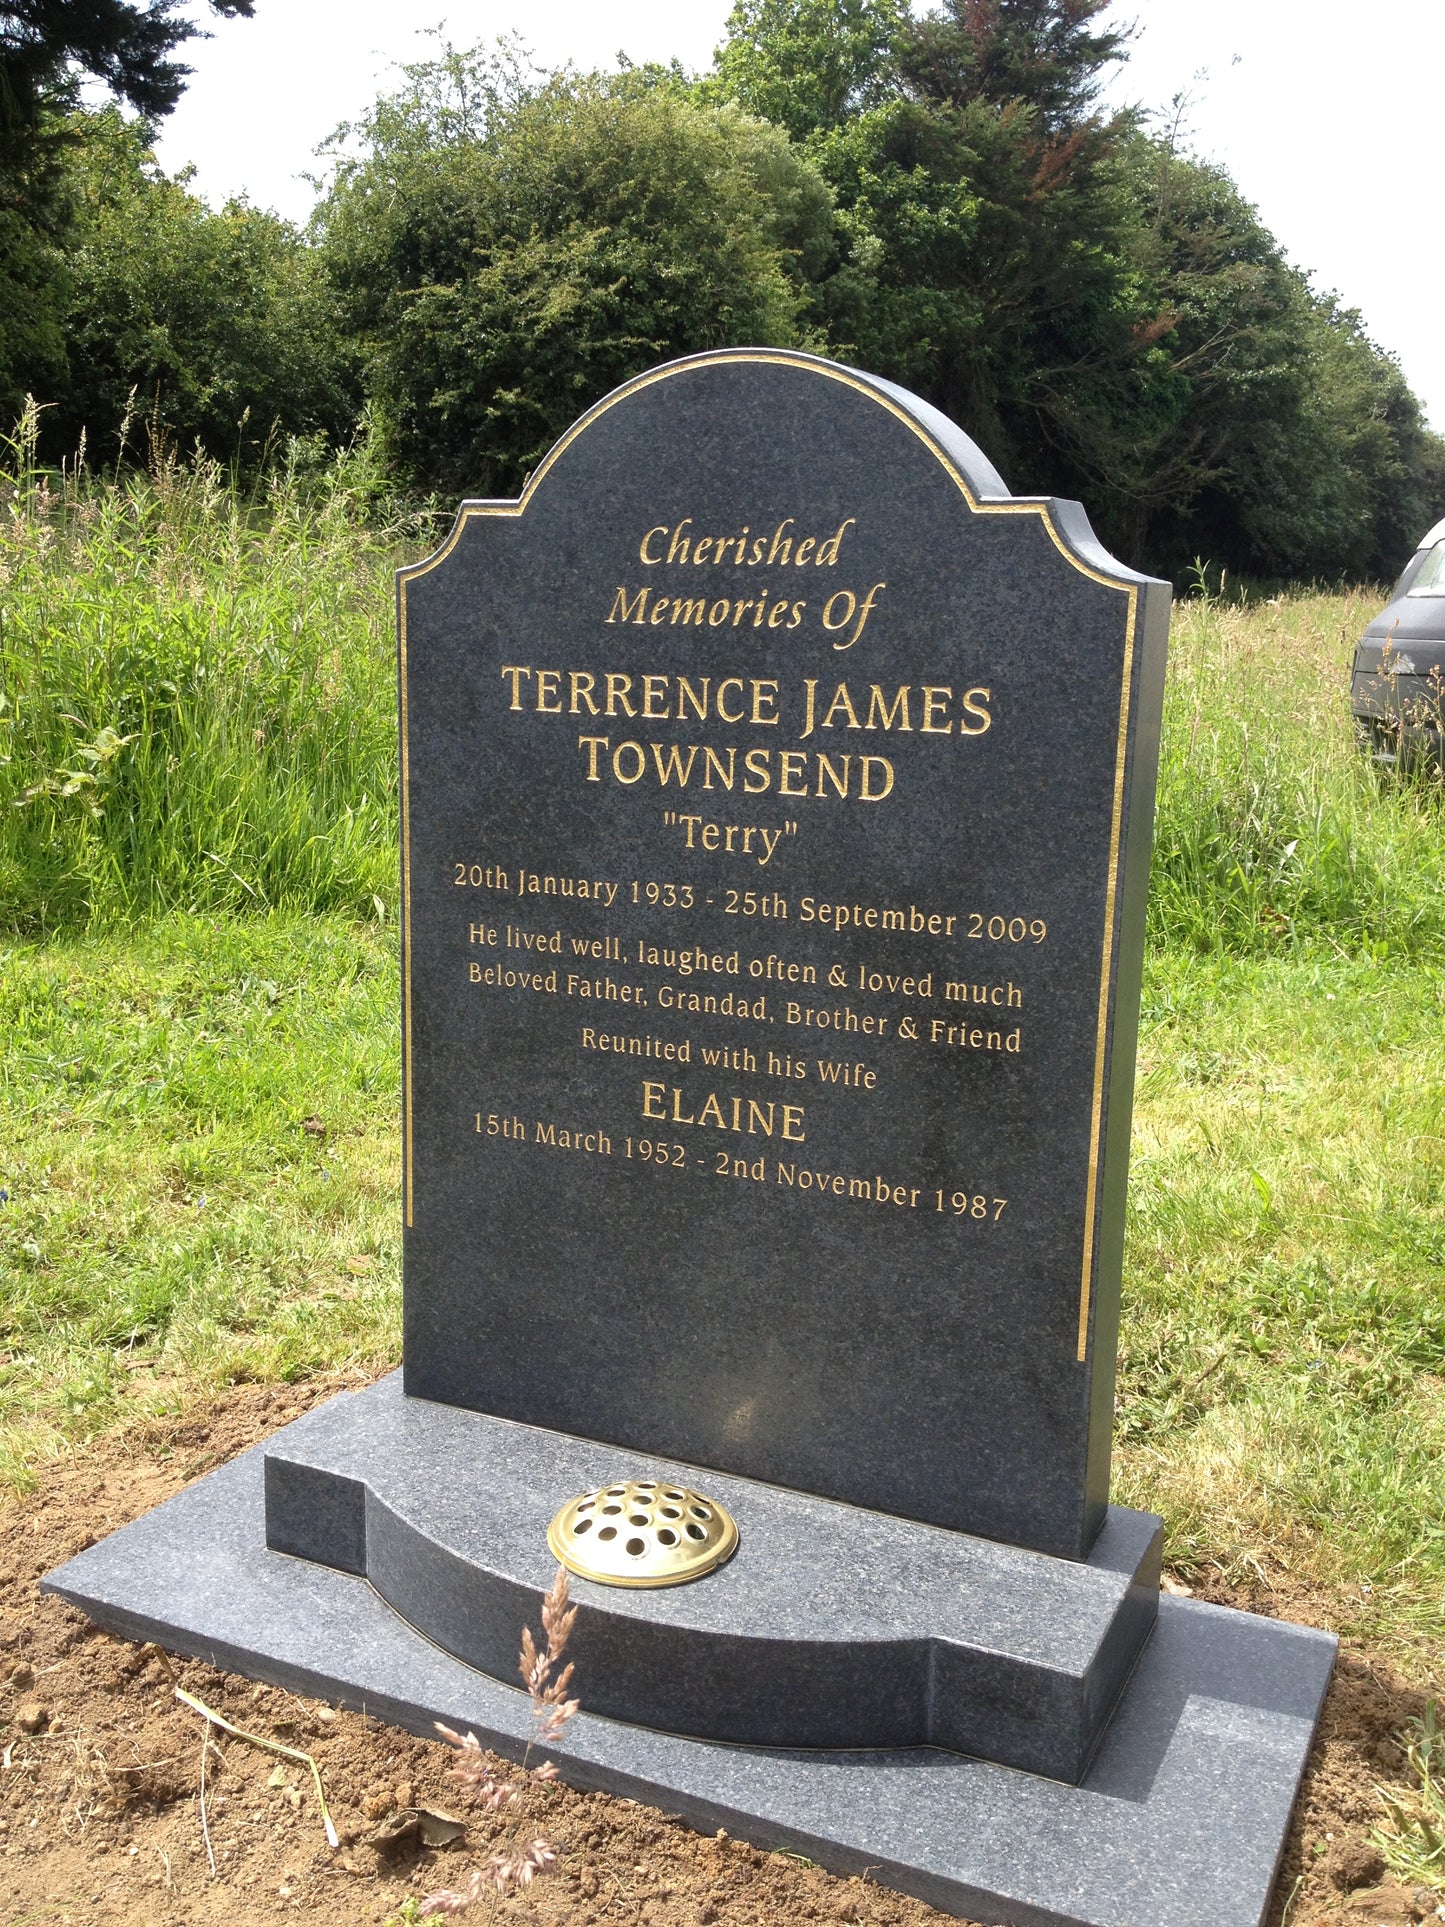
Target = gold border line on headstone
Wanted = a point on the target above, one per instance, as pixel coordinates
(831, 371)
(405, 778)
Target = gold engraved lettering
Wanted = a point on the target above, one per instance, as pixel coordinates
(624, 611)
(569, 1138)
(967, 1037)
(879, 709)
(765, 692)
(884, 769)
(759, 777)
(828, 552)
(722, 1111)
(862, 610)
(935, 700)
(673, 764)
(509, 669)
(1009, 995)
(874, 916)
(687, 694)
(712, 763)
(825, 768)
(622, 750)
(629, 1046)
(582, 684)
(836, 1184)
(677, 547)
(843, 1018)
(790, 764)
(841, 700)
(606, 990)
(855, 1076)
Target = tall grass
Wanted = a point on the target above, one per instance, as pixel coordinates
(1272, 831)
(195, 690)
(197, 713)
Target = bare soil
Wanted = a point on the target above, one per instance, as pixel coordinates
(101, 1815)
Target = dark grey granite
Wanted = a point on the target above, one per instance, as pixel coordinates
(1179, 1822)
(831, 1626)
(644, 929)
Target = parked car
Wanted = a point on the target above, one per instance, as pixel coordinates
(1397, 688)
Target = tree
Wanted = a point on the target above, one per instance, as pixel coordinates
(505, 253)
(47, 47)
(215, 328)
(1104, 314)
(1290, 446)
(806, 65)
(979, 206)
(1042, 52)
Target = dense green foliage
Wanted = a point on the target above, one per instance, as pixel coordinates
(47, 48)
(504, 256)
(197, 326)
(1104, 314)
(938, 197)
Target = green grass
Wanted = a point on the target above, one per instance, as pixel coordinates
(202, 961)
(197, 692)
(171, 1224)
(1273, 834)
(1282, 1392)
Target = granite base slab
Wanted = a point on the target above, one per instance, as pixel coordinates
(1179, 1822)
(832, 1626)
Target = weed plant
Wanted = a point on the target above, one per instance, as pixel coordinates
(196, 689)
(1412, 1835)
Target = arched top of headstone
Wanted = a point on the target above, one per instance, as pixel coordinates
(806, 391)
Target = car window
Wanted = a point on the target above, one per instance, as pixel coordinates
(1431, 579)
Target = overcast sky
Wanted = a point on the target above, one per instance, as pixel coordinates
(1326, 113)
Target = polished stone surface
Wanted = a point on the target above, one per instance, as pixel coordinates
(680, 1115)
(1179, 1822)
(830, 1626)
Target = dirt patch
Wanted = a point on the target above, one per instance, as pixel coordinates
(100, 1786)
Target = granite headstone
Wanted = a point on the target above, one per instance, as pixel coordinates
(776, 807)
